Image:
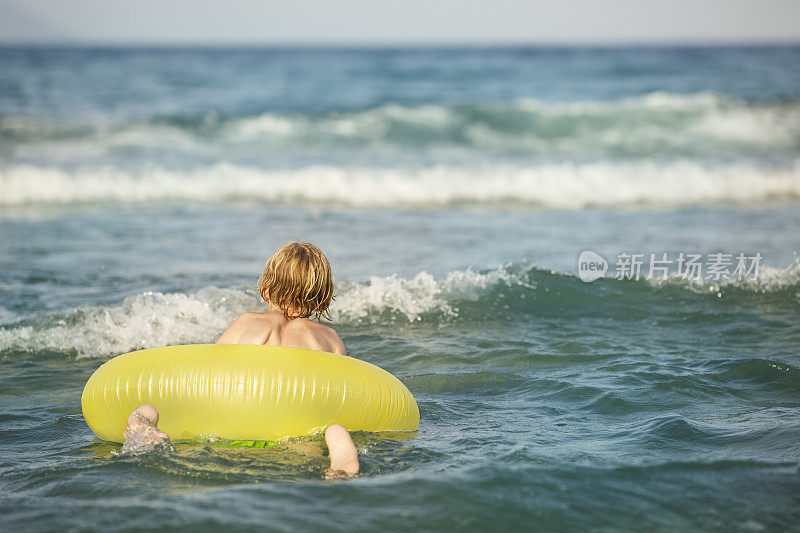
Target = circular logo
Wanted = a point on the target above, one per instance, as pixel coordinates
(591, 266)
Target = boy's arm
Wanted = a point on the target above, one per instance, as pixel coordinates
(231, 334)
(338, 345)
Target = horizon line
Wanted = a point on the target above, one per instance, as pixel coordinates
(316, 44)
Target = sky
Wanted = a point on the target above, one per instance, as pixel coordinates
(371, 22)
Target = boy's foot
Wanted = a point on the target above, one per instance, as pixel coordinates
(142, 434)
(343, 453)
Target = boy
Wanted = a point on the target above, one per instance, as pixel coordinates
(296, 284)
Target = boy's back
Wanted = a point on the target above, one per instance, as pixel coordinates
(296, 284)
(274, 329)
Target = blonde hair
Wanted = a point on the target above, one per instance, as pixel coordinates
(298, 278)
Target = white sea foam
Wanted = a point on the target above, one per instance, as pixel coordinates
(564, 186)
(371, 124)
(144, 321)
(154, 319)
(414, 297)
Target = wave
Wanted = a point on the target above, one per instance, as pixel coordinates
(560, 186)
(379, 299)
(656, 124)
(147, 320)
(769, 280)
(155, 319)
(651, 124)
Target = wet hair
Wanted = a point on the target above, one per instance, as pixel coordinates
(298, 279)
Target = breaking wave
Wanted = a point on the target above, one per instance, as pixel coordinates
(660, 149)
(154, 319)
(653, 125)
(561, 186)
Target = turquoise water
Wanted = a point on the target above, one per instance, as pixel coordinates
(453, 190)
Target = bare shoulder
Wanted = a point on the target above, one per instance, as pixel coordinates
(337, 346)
(249, 328)
(324, 337)
(249, 320)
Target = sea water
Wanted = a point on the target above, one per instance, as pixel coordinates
(453, 190)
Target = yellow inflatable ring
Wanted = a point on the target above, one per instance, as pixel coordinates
(244, 392)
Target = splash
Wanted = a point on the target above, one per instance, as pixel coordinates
(413, 298)
(153, 319)
(148, 320)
